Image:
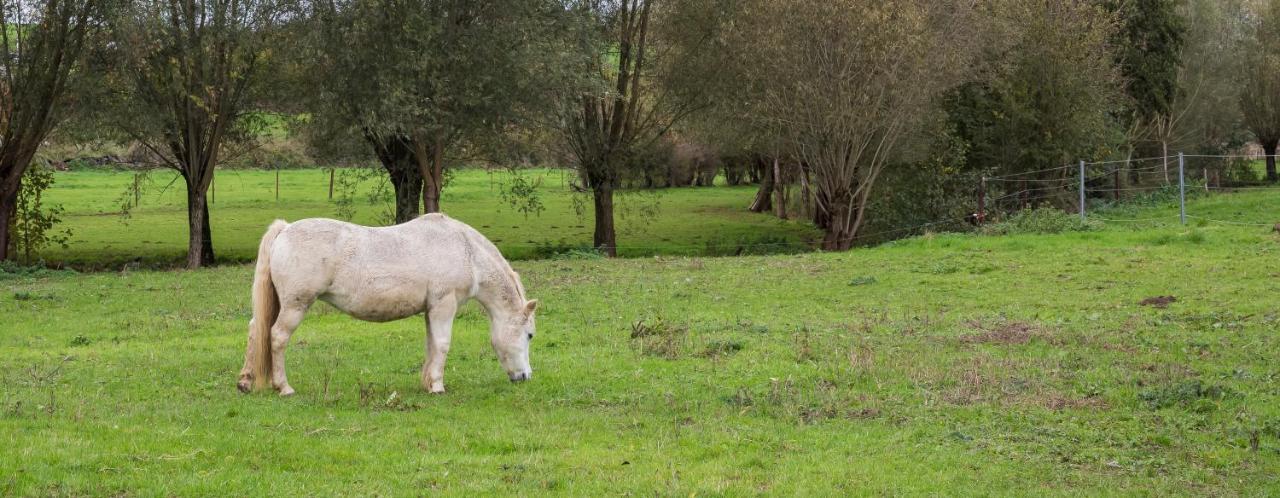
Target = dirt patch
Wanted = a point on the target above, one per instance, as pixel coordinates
(1008, 333)
(1160, 302)
(1059, 403)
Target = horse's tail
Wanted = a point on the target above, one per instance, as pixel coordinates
(266, 306)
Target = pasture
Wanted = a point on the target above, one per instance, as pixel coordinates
(1045, 365)
(690, 221)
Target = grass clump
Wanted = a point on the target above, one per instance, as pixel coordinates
(10, 270)
(1042, 221)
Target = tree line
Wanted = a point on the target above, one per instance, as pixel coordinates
(861, 103)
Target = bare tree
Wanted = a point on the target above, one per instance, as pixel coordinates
(40, 44)
(1260, 82)
(188, 74)
(844, 82)
(636, 90)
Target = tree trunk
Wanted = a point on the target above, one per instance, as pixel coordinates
(397, 157)
(843, 224)
(432, 174)
(1164, 146)
(764, 196)
(8, 208)
(407, 183)
(200, 237)
(780, 191)
(606, 238)
(1269, 147)
(806, 200)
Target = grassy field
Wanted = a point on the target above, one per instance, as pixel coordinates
(944, 364)
(694, 221)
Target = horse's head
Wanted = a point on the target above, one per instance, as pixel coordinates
(511, 341)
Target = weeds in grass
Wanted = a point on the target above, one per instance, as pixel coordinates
(658, 337)
(804, 402)
(10, 270)
(1044, 220)
(1191, 393)
(804, 346)
(760, 245)
(866, 280)
(720, 348)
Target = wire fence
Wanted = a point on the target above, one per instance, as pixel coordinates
(1109, 180)
(1114, 180)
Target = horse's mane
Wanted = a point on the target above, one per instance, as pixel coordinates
(475, 238)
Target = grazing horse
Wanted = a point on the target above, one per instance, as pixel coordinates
(433, 264)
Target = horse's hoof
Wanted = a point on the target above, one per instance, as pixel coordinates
(286, 391)
(437, 390)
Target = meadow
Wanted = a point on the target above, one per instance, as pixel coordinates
(1136, 359)
(689, 221)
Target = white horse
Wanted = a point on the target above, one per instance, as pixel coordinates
(432, 264)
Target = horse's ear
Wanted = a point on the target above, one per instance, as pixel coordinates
(530, 306)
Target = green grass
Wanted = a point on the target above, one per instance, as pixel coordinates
(946, 364)
(693, 221)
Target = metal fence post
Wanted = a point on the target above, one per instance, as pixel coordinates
(1082, 215)
(1182, 189)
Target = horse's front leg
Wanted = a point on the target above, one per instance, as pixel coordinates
(439, 334)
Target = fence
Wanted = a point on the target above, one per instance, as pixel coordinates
(1087, 178)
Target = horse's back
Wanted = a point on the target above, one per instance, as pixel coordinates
(373, 273)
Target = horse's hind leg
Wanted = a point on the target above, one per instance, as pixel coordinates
(281, 331)
(439, 334)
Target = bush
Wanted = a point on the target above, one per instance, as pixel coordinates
(33, 226)
(1043, 220)
(565, 251)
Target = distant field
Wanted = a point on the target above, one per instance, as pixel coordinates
(689, 221)
(1022, 365)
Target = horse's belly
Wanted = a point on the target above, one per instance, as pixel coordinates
(375, 304)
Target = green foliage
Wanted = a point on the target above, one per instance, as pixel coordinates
(522, 194)
(911, 198)
(13, 270)
(1048, 96)
(1150, 43)
(1043, 220)
(35, 225)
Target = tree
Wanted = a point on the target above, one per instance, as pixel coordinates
(1149, 40)
(40, 46)
(420, 79)
(639, 84)
(1046, 97)
(844, 83)
(1260, 81)
(189, 74)
(1206, 107)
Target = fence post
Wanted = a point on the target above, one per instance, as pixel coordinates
(277, 183)
(331, 172)
(1182, 189)
(1082, 215)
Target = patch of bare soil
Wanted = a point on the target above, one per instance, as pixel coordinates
(1007, 333)
(1160, 302)
(1059, 403)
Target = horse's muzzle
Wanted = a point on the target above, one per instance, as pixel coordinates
(521, 377)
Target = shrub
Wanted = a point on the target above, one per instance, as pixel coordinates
(34, 225)
(1043, 220)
